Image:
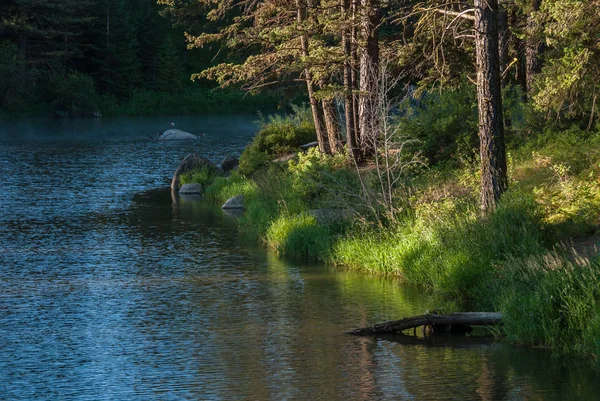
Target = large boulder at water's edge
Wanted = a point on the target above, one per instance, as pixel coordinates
(191, 189)
(190, 163)
(229, 163)
(175, 134)
(237, 202)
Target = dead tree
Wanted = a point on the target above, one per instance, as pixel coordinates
(434, 320)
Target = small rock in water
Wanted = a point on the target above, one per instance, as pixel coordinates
(237, 202)
(175, 134)
(191, 189)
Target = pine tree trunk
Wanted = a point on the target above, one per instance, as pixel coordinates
(331, 123)
(503, 38)
(533, 48)
(491, 129)
(369, 76)
(355, 78)
(310, 86)
(351, 139)
(23, 45)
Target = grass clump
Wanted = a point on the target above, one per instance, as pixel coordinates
(204, 175)
(445, 245)
(551, 300)
(298, 236)
(224, 188)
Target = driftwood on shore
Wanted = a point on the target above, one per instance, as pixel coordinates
(433, 320)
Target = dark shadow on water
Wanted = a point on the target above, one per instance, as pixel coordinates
(441, 340)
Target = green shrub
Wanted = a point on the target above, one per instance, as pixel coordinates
(319, 178)
(277, 136)
(570, 204)
(444, 124)
(252, 160)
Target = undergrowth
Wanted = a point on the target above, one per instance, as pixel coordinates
(519, 260)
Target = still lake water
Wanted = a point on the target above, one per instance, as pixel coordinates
(113, 290)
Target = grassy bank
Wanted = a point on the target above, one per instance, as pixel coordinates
(528, 260)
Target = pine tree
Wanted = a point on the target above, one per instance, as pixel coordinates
(116, 54)
(168, 68)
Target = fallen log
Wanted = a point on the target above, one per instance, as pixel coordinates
(436, 321)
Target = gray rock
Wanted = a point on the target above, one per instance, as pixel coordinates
(191, 162)
(237, 202)
(175, 134)
(328, 216)
(229, 163)
(191, 189)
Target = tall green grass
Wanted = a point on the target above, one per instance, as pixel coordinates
(549, 300)
(298, 236)
(446, 245)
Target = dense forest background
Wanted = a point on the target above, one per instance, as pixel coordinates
(81, 57)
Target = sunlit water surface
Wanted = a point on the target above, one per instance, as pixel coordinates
(113, 290)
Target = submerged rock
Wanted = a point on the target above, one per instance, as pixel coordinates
(235, 213)
(229, 163)
(237, 202)
(191, 162)
(175, 134)
(191, 189)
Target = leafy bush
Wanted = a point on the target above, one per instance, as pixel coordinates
(444, 124)
(278, 136)
(320, 177)
(569, 201)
